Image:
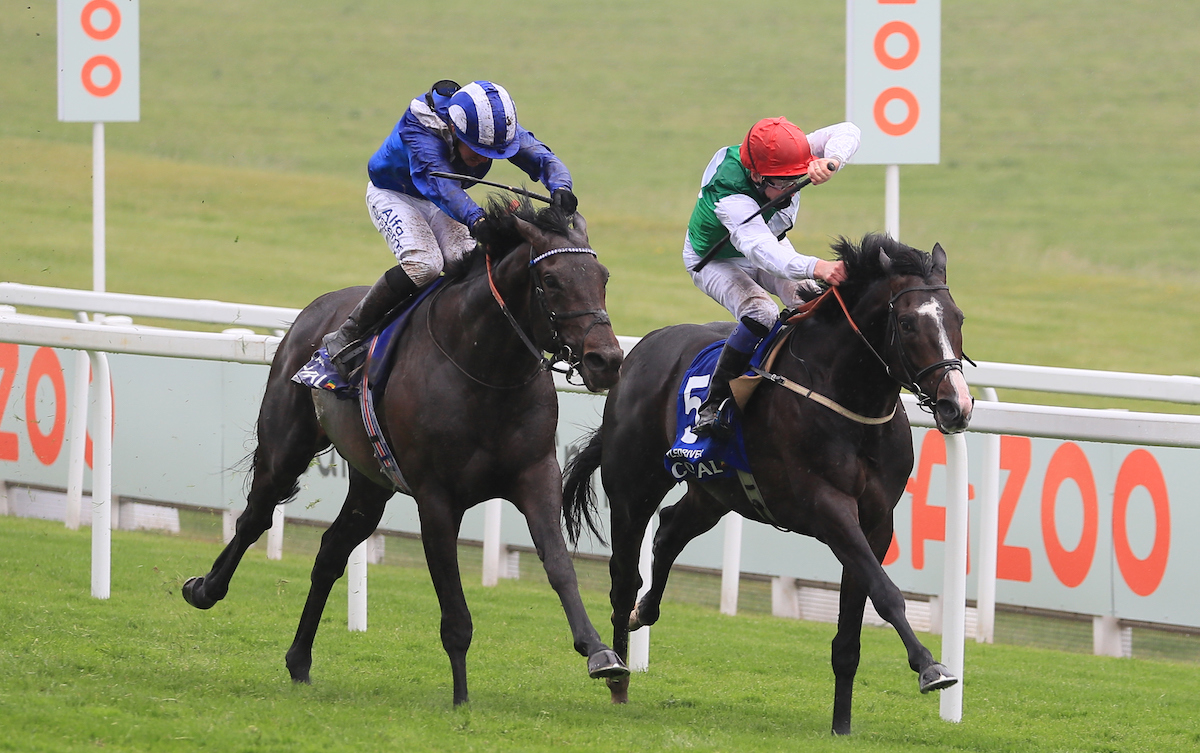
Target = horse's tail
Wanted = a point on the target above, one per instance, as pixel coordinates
(579, 496)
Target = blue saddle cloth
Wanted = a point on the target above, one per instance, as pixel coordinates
(707, 458)
(320, 374)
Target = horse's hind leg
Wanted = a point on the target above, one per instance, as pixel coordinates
(633, 497)
(288, 439)
(358, 518)
(694, 514)
(539, 498)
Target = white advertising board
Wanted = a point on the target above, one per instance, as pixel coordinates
(893, 79)
(1085, 527)
(99, 69)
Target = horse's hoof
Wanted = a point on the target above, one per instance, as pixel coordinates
(194, 597)
(634, 621)
(935, 677)
(605, 663)
(618, 688)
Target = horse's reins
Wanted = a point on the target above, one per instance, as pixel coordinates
(562, 353)
(910, 381)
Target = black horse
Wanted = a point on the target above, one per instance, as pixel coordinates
(831, 464)
(469, 410)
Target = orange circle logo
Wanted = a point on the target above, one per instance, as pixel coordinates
(114, 20)
(910, 120)
(114, 71)
(909, 34)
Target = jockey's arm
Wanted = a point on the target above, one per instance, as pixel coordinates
(539, 163)
(758, 243)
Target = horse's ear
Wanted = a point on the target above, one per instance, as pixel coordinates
(530, 232)
(939, 261)
(580, 224)
(885, 261)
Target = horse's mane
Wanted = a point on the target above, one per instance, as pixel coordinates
(498, 234)
(864, 267)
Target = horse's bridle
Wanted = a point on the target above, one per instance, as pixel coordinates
(560, 351)
(910, 381)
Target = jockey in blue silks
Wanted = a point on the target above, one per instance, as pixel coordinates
(429, 222)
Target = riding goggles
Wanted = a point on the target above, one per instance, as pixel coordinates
(782, 184)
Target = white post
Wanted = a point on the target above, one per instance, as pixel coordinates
(954, 582)
(356, 589)
(98, 222)
(639, 641)
(491, 541)
(228, 525)
(1109, 638)
(989, 533)
(275, 535)
(101, 478)
(891, 203)
(731, 563)
(77, 436)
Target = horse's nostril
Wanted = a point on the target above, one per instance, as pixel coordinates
(594, 361)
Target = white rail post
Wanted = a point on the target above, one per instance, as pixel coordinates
(891, 201)
(77, 436)
(731, 563)
(356, 589)
(491, 541)
(101, 478)
(989, 533)
(954, 579)
(275, 535)
(639, 641)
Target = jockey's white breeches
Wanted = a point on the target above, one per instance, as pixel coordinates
(742, 288)
(424, 239)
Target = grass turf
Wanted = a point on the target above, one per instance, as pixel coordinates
(143, 671)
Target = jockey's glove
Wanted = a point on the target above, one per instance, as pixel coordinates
(564, 200)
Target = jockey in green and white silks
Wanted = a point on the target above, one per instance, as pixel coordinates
(758, 260)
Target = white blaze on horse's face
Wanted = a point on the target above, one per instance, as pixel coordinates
(962, 393)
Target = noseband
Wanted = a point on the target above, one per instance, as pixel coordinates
(561, 352)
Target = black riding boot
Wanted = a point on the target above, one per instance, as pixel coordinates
(388, 292)
(731, 364)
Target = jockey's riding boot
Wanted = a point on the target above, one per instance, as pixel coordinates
(388, 292)
(732, 363)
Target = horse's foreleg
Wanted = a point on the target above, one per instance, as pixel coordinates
(863, 574)
(540, 500)
(358, 518)
(629, 517)
(288, 439)
(440, 524)
(694, 514)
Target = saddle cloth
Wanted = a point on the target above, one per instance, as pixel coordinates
(707, 458)
(320, 374)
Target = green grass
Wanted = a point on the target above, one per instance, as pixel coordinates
(143, 671)
(1065, 197)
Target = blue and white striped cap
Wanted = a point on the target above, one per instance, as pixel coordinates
(485, 117)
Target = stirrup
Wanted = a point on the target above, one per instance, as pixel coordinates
(349, 359)
(715, 424)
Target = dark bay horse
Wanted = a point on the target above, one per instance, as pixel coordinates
(820, 472)
(469, 410)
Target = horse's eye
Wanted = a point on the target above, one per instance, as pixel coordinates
(906, 326)
(550, 281)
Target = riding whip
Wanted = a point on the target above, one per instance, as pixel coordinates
(514, 189)
(779, 200)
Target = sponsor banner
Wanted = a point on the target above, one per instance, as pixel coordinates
(99, 65)
(1084, 527)
(893, 79)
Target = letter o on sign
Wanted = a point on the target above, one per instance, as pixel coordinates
(909, 34)
(46, 446)
(89, 69)
(890, 95)
(1071, 567)
(114, 20)
(1142, 575)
